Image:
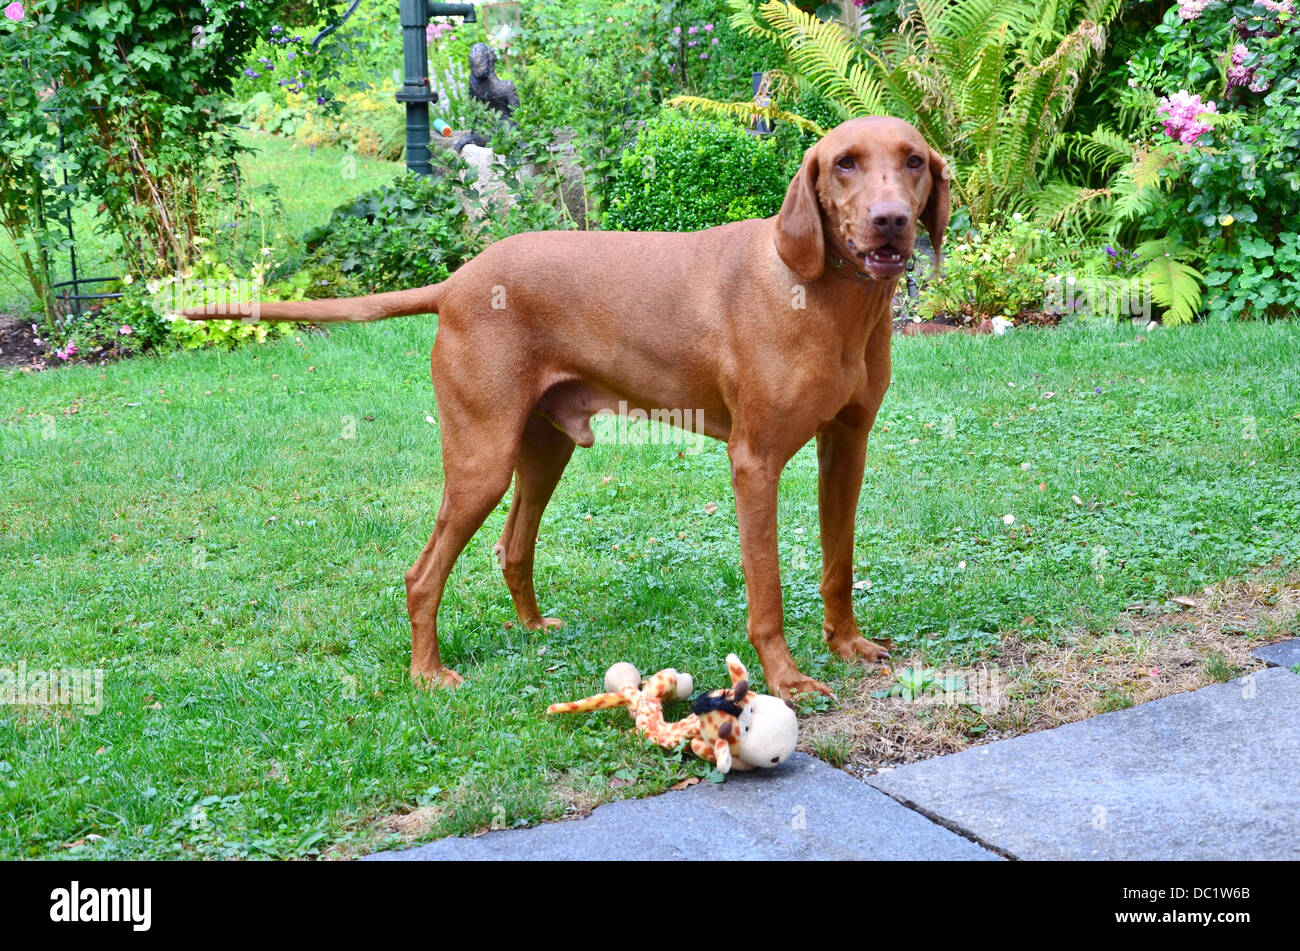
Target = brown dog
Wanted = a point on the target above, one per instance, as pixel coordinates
(778, 329)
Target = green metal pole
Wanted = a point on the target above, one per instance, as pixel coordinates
(416, 92)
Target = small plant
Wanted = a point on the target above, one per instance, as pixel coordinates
(912, 683)
(1114, 699)
(834, 747)
(1218, 669)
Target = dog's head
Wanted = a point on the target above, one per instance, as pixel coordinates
(482, 60)
(858, 195)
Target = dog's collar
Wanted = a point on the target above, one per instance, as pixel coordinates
(844, 269)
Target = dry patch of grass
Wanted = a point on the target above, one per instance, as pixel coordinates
(1150, 652)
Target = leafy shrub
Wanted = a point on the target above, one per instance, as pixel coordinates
(1002, 270)
(687, 174)
(409, 234)
(1221, 188)
(143, 318)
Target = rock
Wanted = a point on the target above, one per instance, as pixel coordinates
(1281, 654)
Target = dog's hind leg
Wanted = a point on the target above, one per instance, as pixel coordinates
(543, 454)
(478, 455)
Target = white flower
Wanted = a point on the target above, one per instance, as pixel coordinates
(1008, 519)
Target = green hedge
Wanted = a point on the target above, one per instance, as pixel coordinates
(687, 174)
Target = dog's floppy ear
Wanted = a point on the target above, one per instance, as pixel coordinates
(799, 238)
(938, 208)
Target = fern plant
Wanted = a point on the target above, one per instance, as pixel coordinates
(989, 83)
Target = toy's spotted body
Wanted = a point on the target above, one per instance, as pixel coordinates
(646, 706)
(714, 734)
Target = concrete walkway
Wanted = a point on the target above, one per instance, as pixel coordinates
(1211, 774)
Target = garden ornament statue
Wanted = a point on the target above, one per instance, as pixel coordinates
(484, 83)
(486, 86)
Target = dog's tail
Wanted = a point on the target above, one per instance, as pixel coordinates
(418, 300)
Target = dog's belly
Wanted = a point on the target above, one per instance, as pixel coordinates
(571, 403)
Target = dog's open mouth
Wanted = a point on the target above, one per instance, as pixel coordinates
(885, 261)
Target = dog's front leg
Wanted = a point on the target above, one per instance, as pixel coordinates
(841, 458)
(754, 480)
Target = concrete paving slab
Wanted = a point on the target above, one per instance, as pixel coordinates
(1211, 774)
(1281, 654)
(802, 809)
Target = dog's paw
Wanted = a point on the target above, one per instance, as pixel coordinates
(859, 649)
(792, 685)
(438, 677)
(543, 623)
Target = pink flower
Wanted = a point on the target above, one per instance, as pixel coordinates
(1242, 75)
(67, 352)
(125, 330)
(1181, 115)
(1192, 9)
(708, 28)
(1286, 6)
(15, 11)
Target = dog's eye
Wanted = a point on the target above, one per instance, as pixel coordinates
(846, 162)
(915, 161)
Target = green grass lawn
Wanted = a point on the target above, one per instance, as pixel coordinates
(225, 534)
(308, 182)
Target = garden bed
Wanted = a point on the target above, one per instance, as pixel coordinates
(1151, 651)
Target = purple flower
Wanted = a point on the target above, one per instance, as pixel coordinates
(1110, 252)
(251, 73)
(708, 28)
(320, 100)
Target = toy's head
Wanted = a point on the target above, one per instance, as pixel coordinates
(761, 731)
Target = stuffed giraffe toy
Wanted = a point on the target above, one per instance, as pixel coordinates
(734, 728)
